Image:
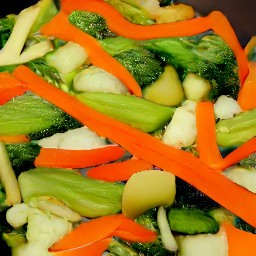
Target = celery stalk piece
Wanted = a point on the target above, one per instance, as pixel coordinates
(8, 178)
(88, 197)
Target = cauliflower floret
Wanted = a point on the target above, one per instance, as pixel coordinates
(80, 138)
(95, 79)
(181, 131)
(226, 107)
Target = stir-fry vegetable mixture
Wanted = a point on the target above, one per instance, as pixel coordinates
(126, 128)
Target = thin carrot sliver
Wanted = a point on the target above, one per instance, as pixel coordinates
(240, 242)
(14, 138)
(60, 27)
(239, 153)
(10, 87)
(149, 148)
(215, 21)
(64, 158)
(120, 171)
(89, 232)
(94, 249)
(206, 134)
(247, 94)
(132, 231)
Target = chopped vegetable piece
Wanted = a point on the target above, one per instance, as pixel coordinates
(88, 197)
(137, 199)
(9, 87)
(8, 178)
(89, 232)
(239, 242)
(14, 138)
(237, 130)
(64, 158)
(247, 94)
(120, 171)
(60, 27)
(137, 112)
(206, 134)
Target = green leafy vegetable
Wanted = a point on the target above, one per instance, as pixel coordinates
(143, 64)
(140, 113)
(206, 55)
(6, 27)
(88, 197)
(89, 22)
(22, 155)
(29, 114)
(237, 130)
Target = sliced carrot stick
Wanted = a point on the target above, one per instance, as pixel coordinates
(239, 242)
(120, 171)
(89, 232)
(60, 27)
(14, 138)
(94, 249)
(119, 25)
(132, 231)
(206, 134)
(247, 94)
(9, 87)
(148, 148)
(64, 158)
(221, 26)
(239, 153)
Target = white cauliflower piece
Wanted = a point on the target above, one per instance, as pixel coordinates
(76, 139)
(181, 131)
(17, 215)
(226, 107)
(95, 79)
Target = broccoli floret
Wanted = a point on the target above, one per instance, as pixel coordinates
(22, 155)
(39, 117)
(206, 55)
(149, 221)
(6, 27)
(43, 69)
(90, 22)
(187, 196)
(249, 162)
(143, 64)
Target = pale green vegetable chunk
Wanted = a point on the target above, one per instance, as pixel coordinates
(166, 90)
(146, 190)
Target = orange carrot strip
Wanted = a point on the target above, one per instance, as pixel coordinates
(64, 158)
(221, 26)
(132, 231)
(89, 232)
(9, 87)
(240, 242)
(120, 171)
(247, 94)
(14, 138)
(60, 27)
(206, 134)
(148, 148)
(119, 25)
(94, 249)
(239, 153)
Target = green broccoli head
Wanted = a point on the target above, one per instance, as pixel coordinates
(89, 22)
(206, 55)
(142, 64)
(6, 27)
